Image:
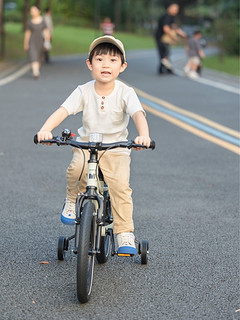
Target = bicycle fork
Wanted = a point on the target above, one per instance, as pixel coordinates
(93, 193)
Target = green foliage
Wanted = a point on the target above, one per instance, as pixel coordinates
(227, 34)
(69, 40)
(141, 16)
(227, 64)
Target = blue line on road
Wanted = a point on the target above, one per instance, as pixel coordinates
(192, 122)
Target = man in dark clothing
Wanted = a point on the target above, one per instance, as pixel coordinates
(166, 34)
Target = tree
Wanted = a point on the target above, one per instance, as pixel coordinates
(25, 13)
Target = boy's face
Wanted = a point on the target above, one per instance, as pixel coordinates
(198, 35)
(106, 67)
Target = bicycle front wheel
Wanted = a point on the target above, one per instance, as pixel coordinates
(85, 256)
(105, 241)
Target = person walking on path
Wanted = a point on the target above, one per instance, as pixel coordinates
(167, 34)
(49, 23)
(36, 39)
(195, 54)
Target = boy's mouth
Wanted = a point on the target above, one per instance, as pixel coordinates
(105, 72)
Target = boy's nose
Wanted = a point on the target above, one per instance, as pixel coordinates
(105, 63)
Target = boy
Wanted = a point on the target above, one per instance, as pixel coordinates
(106, 104)
(195, 54)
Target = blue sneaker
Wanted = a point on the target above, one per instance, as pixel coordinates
(68, 214)
(126, 244)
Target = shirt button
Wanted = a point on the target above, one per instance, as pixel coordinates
(102, 102)
(103, 97)
(102, 107)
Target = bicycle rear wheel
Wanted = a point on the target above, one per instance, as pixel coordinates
(85, 256)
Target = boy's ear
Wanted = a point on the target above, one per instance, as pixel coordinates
(123, 67)
(89, 64)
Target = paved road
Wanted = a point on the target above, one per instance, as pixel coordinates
(186, 196)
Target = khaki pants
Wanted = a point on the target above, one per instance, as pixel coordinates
(115, 167)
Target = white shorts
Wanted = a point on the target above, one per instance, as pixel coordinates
(195, 60)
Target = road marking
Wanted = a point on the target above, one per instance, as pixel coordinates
(218, 85)
(212, 83)
(190, 114)
(193, 130)
(192, 122)
(15, 75)
(218, 134)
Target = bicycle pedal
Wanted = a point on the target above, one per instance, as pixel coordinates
(125, 255)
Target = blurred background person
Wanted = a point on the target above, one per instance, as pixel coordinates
(36, 39)
(167, 34)
(49, 23)
(107, 27)
(195, 54)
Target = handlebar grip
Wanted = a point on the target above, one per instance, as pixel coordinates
(35, 139)
(152, 145)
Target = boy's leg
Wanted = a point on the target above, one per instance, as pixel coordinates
(116, 170)
(74, 170)
(73, 174)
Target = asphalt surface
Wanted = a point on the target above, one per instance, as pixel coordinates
(186, 204)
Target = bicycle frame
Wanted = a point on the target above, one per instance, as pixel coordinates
(95, 181)
(93, 223)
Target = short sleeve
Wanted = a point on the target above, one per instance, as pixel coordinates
(132, 103)
(73, 104)
(28, 26)
(198, 45)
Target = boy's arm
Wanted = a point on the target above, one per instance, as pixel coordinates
(142, 127)
(52, 122)
(201, 53)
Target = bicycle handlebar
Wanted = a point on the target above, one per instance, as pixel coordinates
(60, 141)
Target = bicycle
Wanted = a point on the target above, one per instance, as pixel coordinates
(94, 223)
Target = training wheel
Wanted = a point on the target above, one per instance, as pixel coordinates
(144, 252)
(62, 247)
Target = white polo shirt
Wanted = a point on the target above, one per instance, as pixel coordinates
(108, 115)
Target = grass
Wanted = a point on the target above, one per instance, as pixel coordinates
(228, 64)
(69, 40)
(14, 41)
(74, 40)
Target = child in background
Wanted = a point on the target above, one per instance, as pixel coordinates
(107, 27)
(106, 105)
(195, 54)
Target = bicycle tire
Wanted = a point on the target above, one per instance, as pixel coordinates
(105, 241)
(85, 261)
(62, 247)
(144, 252)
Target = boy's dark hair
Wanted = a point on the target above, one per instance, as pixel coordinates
(105, 48)
(197, 32)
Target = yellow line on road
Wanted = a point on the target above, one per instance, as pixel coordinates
(192, 115)
(193, 130)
